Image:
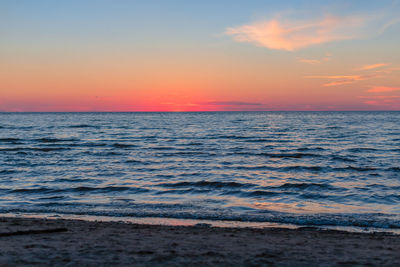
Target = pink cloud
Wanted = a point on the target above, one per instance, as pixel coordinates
(231, 103)
(342, 79)
(382, 89)
(327, 57)
(383, 101)
(373, 66)
(293, 35)
(372, 103)
(339, 82)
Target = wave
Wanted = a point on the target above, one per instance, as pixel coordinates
(241, 189)
(80, 189)
(386, 198)
(37, 149)
(301, 168)
(261, 193)
(93, 144)
(304, 168)
(82, 126)
(311, 149)
(35, 190)
(355, 168)
(104, 153)
(318, 196)
(162, 148)
(342, 158)
(251, 139)
(260, 140)
(364, 220)
(23, 128)
(334, 127)
(9, 140)
(105, 189)
(193, 144)
(204, 183)
(186, 153)
(209, 184)
(52, 198)
(54, 140)
(304, 186)
(290, 155)
(138, 162)
(183, 191)
(362, 149)
(73, 180)
(120, 145)
(328, 169)
(237, 137)
(7, 171)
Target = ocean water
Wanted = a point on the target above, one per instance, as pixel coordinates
(300, 168)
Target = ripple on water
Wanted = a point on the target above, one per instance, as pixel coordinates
(305, 168)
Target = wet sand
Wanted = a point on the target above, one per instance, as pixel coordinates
(26, 241)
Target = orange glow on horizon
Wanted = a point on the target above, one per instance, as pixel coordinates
(327, 60)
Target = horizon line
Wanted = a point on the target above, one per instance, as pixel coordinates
(203, 111)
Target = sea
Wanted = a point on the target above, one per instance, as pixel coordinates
(318, 169)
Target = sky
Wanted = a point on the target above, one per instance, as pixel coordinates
(225, 55)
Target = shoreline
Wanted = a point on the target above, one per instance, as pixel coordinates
(168, 221)
(27, 241)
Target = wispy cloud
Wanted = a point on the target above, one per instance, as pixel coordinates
(373, 66)
(284, 32)
(390, 101)
(389, 24)
(327, 57)
(292, 35)
(383, 89)
(386, 70)
(231, 103)
(383, 100)
(367, 72)
(310, 61)
(341, 79)
(381, 97)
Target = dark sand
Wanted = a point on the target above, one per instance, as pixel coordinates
(25, 241)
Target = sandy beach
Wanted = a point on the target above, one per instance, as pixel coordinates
(28, 241)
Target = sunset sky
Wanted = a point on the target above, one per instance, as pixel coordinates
(199, 55)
